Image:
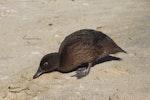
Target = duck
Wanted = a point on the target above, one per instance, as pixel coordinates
(80, 47)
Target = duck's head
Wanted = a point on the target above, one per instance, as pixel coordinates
(49, 63)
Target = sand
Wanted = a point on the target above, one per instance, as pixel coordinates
(29, 29)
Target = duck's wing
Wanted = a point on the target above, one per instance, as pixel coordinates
(79, 48)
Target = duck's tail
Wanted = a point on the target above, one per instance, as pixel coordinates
(118, 49)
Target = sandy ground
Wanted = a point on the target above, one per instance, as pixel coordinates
(30, 29)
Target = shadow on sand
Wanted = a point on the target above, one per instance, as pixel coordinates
(105, 59)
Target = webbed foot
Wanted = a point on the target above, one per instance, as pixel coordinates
(82, 72)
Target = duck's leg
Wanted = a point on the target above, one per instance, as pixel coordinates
(82, 72)
(88, 68)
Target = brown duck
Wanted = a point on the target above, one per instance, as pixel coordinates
(83, 46)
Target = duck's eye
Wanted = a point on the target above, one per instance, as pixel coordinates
(45, 64)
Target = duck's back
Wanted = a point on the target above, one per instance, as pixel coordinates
(85, 36)
(84, 46)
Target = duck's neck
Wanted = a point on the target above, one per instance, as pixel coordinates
(57, 61)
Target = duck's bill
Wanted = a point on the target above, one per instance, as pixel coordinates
(38, 73)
